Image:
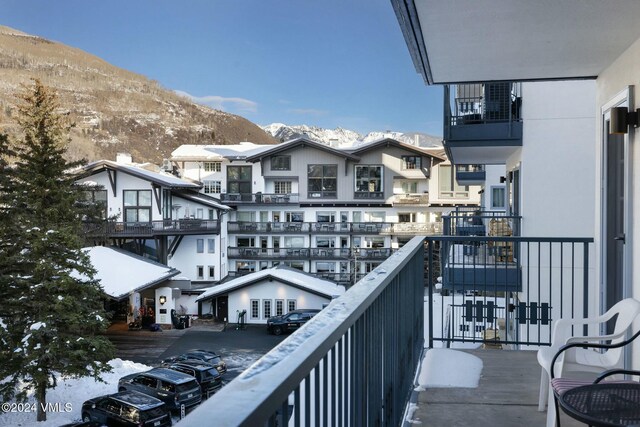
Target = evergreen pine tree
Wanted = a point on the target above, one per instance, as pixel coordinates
(59, 312)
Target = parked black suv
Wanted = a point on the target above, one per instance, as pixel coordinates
(172, 387)
(205, 355)
(205, 373)
(290, 321)
(127, 408)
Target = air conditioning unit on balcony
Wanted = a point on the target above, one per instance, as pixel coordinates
(166, 165)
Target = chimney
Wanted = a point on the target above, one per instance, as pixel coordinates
(124, 158)
(416, 140)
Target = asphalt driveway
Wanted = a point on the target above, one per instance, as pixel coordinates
(238, 348)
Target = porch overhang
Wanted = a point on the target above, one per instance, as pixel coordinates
(467, 41)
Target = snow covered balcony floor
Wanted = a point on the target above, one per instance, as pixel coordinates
(506, 396)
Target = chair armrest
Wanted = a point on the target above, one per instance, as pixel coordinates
(590, 345)
(597, 338)
(610, 372)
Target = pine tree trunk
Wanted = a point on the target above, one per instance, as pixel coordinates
(41, 398)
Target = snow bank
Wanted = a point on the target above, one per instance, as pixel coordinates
(449, 368)
(69, 395)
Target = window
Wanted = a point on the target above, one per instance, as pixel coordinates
(449, 187)
(279, 307)
(255, 309)
(200, 246)
(137, 205)
(325, 242)
(97, 199)
(294, 242)
(294, 216)
(325, 267)
(374, 242)
(498, 198)
(411, 162)
(266, 308)
(368, 182)
(246, 242)
(322, 181)
(281, 163)
(212, 272)
(245, 266)
(407, 217)
(212, 187)
(212, 166)
(211, 245)
(200, 271)
(282, 187)
(409, 187)
(246, 216)
(298, 265)
(325, 216)
(375, 216)
(200, 213)
(239, 179)
(291, 305)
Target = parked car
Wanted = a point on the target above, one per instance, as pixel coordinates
(172, 387)
(205, 373)
(127, 408)
(205, 355)
(290, 321)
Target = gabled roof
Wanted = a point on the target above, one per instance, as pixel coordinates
(218, 152)
(203, 199)
(297, 143)
(121, 273)
(287, 275)
(390, 142)
(163, 179)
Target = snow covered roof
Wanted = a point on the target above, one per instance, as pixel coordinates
(218, 152)
(287, 275)
(299, 142)
(164, 179)
(121, 273)
(202, 198)
(384, 142)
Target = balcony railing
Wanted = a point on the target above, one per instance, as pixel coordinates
(411, 199)
(246, 227)
(475, 222)
(351, 364)
(510, 287)
(363, 254)
(153, 228)
(368, 195)
(259, 198)
(470, 174)
(479, 115)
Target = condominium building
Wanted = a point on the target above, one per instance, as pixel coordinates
(336, 213)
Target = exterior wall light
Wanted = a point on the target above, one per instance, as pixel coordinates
(621, 119)
(162, 299)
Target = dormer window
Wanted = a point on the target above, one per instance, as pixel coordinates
(411, 162)
(281, 163)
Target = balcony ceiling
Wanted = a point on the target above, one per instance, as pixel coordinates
(487, 40)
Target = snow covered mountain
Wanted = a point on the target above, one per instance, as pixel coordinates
(340, 137)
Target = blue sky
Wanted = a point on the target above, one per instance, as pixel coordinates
(327, 63)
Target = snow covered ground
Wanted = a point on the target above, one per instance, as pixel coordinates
(69, 395)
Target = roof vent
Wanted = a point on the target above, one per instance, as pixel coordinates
(124, 158)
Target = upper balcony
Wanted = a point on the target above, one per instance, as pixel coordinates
(234, 199)
(166, 227)
(482, 122)
(470, 174)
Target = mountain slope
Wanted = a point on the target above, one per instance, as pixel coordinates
(345, 138)
(114, 110)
